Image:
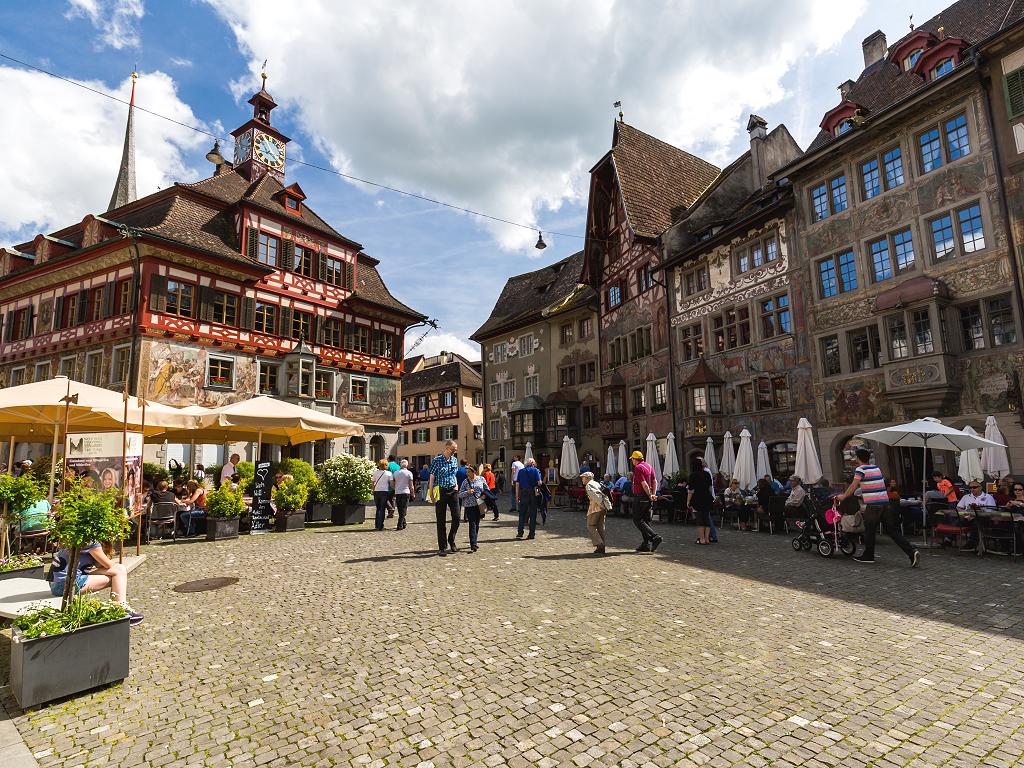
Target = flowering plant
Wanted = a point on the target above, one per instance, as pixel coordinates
(346, 479)
(18, 562)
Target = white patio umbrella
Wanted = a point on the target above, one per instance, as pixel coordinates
(671, 458)
(728, 455)
(745, 471)
(623, 460)
(924, 434)
(969, 466)
(994, 461)
(808, 465)
(609, 464)
(528, 454)
(709, 456)
(569, 463)
(652, 457)
(763, 466)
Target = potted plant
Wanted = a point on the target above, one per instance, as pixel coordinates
(57, 652)
(347, 486)
(21, 567)
(290, 501)
(18, 495)
(223, 508)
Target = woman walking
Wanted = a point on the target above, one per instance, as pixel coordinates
(383, 484)
(699, 499)
(491, 499)
(471, 493)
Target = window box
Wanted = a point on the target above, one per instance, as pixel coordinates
(220, 381)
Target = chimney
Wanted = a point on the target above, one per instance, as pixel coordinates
(757, 128)
(844, 88)
(875, 48)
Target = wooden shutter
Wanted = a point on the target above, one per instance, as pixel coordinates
(30, 325)
(286, 255)
(157, 293)
(248, 313)
(109, 294)
(316, 324)
(455, 432)
(321, 266)
(350, 276)
(206, 299)
(349, 338)
(1013, 89)
(252, 243)
(284, 322)
(58, 313)
(83, 306)
(9, 326)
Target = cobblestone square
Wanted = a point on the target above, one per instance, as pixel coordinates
(343, 646)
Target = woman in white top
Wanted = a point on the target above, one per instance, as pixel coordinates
(383, 483)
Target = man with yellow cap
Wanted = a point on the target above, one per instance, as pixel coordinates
(644, 490)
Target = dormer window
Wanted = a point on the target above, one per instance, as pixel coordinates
(911, 60)
(291, 203)
(844, 126)
(943, 67)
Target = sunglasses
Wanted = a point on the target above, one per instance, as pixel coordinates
(1018, 489)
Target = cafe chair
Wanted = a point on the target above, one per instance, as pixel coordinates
(996, 532)
(949, 523)
(164, 513)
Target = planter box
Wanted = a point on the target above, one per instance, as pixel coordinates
(220, 528)
(289, 521)
(318, 513)
(49, 668)
(32, 572)
(348, 514)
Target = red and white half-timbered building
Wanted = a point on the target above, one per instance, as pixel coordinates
(211, 292)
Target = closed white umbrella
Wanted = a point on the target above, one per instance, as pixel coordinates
(652, 457)
(623, 459)
(994, 460)
(808, 465)
(671, 459)
(969, 466)
(528, 454)
(609, 464)
(709, 456)
(745, 471)
(569, 464)
(728, 455)
(763, 466)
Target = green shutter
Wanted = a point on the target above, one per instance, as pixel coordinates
(83, 306)
(252, 243)
(350, 278)
(157, 293)
(284, 323)
(248, 313)
(109, 292)
(1013, 89)
(58, 313)
(286, 255)
(321, 266)
(206, 299)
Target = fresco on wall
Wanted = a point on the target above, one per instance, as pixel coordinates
(987, 382)
(949, 187)
(857, 402)
(176, 374)
(382, 407)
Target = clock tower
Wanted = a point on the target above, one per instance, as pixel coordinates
(259, 147)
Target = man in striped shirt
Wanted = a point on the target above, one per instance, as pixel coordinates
(869, 484)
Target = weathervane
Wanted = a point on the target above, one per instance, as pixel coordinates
(618, 106)
(911, 22)
(263, 74)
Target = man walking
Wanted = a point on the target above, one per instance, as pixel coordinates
(403, 492)
(393, 468)
(442, 474)
(869, 481)
(596, 512)
(513, 474)
(528, 483)
(644, 491)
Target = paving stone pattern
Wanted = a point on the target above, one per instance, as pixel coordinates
(351, 647)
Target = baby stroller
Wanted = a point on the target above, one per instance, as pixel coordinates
(821, 529)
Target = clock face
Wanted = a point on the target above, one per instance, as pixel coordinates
(243, 148)
(269, 150)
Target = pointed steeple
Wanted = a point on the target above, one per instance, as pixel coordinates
(124, 187)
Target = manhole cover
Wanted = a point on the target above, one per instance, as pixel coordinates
(206, 585)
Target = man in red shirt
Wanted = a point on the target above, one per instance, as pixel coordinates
(644, 490)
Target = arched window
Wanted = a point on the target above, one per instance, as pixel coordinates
(848, 456)
(782, 458)
(357, 446)
(376, 448)
(944, 66)
(844, 126)
(911, 60)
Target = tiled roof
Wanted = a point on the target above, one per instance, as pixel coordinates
(459, 373)
(190, 223)
(885, 83)
(370, 287)
(656, 178)
(525, 296)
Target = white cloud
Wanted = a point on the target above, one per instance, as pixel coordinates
(117, 21)
(503, 107)
(65, 147)
(180, 62)
(436, 343)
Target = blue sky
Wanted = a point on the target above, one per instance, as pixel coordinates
(501, 108)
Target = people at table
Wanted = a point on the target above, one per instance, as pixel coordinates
(735, 504)
(622, 482)
(943, 491)
(776, 486)
(1016, 503)
(1003, 492)
(195, 505)
(763, 494)
(796, 493)
(163, 494)
(93, 571)
(230, 468)
(976, 498)
(607, 484)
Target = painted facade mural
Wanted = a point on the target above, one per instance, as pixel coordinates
(382, 401)
(175, 374)
(857, 402)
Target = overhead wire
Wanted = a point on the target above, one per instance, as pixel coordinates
(348, 176)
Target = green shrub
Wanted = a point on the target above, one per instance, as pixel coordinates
(291, 496)
(346, 479)
(19, 493)
(247, 471)
(213, 474)
(82, 612)
(225, 502)
(301, 470)
(155, 472)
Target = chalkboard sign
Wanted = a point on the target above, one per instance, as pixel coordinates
(261, 498)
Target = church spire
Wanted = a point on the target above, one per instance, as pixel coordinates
(124, 187)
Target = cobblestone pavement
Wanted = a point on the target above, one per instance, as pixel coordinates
(350, 647)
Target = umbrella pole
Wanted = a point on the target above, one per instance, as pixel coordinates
(124, 466)
(138, 526)
(259, 445)
(10, 470)
(53, 463)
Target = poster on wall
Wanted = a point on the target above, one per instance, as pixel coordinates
(96, 457)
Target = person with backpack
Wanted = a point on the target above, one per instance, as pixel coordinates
(869, 484)
(600, 505)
